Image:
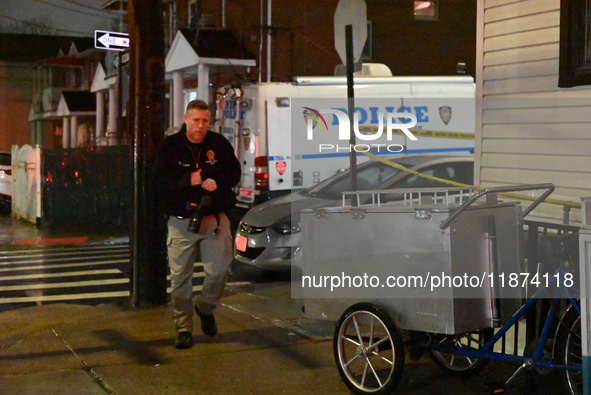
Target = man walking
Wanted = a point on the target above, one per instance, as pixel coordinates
(197, 170)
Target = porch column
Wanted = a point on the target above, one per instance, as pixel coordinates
(203, 82)
(100, 117)
(112, 124)
(35, 132)
(74, 132)
(66, 132)
(178, 99)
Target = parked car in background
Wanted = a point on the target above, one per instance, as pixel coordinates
(5, 182)
(269, 236)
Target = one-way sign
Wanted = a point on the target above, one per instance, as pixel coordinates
(111, 40)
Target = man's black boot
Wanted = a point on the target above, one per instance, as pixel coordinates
(184, 340)
(208, 325)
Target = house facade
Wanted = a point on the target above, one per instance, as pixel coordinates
(62, 110)
(529, 129)
(27, 68)
(533, 116)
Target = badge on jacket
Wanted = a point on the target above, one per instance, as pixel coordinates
(210, 157)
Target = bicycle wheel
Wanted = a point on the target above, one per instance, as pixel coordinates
(368, 350)
(459, 365)
(569, 351)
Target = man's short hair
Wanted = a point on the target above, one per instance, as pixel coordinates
(197, 105)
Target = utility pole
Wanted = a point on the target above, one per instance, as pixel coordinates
(146, 130)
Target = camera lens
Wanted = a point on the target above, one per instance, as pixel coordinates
(194, 223)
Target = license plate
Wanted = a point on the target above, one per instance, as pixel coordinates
(246, 192)
(241, 242)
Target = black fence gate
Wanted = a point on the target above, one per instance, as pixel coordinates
(90, 188)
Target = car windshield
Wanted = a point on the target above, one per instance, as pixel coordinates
(369, 176)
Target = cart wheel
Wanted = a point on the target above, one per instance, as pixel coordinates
(568, 351)
(368, 350)
(460, 365)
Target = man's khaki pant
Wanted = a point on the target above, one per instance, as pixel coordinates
(216, 255)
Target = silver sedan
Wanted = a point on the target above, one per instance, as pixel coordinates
(269, 236)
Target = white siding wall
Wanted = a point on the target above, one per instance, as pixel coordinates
(528, 129)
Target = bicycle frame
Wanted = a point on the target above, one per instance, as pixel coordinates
(537, 360)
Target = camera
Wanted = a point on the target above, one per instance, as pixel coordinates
(195, 222)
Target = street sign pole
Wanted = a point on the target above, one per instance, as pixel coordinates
(350, 18)
(120, 103)
(351, 107)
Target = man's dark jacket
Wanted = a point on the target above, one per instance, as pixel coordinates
(178, 158)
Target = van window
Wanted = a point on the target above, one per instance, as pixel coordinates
(5, 159)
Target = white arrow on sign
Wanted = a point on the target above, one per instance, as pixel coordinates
(108, 41)
(111, 40)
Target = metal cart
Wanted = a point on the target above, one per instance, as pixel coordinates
(441, 271)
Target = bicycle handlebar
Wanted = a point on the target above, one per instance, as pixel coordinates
(513, 188)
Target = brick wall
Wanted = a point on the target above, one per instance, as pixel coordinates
(303, 36)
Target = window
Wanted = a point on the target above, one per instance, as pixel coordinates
(459, 172)
(368, 177)
(426, 10)
(194, 12)
(192, 7)
(366, 54)
(575, 43)
(5, 159)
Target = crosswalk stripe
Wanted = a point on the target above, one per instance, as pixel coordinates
(89, 283)
(62, 251)
(200, 287)
(195, 275)
(69, 265)
(65, 265)
(30, 274)
(57, 298)
(48, 260)
(24, 287)
(195, 288)
(95, 295)
(64, 274)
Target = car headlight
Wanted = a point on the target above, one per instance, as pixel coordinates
(286, 227)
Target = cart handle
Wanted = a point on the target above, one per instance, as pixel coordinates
(513, 188)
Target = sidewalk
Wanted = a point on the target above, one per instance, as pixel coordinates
(63, 349)
(14, 232)
(79, 349)
(264, 346)
(74, 349)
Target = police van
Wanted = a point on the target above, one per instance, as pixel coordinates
(277, 128)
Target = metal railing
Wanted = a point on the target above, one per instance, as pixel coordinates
(447, 197)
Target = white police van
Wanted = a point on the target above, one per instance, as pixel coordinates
(260, 120)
